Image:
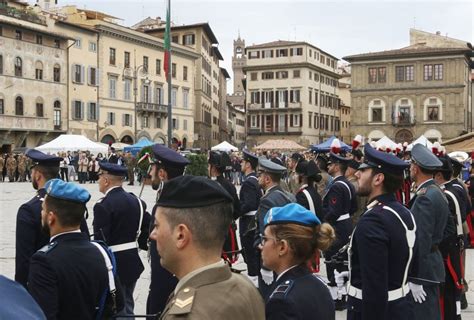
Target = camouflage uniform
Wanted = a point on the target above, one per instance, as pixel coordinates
(21, 168)
(11, 167)
(130, 162)
(2, 164)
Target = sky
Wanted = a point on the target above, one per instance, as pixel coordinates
(338, 27)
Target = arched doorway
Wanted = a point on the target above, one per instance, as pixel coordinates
(404, 135)
(127, 140)
(108, 139)
(185, 141)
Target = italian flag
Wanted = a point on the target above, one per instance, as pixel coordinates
(167, 42)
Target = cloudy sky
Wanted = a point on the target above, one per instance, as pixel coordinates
(338, 27)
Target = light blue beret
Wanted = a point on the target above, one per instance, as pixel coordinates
(69, 191)
(291, 213)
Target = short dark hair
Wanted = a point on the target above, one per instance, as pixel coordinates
(342, 167)
(48, 172)
(446, 174)
(172, 171)
(276, 177)
(391, 183)
(69, 213)
(209, 225)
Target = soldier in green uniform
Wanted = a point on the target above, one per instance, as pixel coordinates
(11, 167)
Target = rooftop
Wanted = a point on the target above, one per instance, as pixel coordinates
(204, 25)
(285, 43)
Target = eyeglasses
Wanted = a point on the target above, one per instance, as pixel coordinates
(264, 239)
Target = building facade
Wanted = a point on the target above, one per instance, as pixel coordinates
(345, 102)
(33, 78)
(291, 93)
(422, 89)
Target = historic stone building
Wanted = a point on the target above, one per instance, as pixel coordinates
(422, 89)
(345, 102)
(291, 93)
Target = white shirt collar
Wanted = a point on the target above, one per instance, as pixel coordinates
(59, 234)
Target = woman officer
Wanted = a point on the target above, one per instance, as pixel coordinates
(307, 196)
(292, 236)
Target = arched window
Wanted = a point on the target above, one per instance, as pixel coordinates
(433, 109)
(57, 115)
(19, 106)
(18, 67)
(377, 111)
(57, 73)
(39, 107)
(39, 70)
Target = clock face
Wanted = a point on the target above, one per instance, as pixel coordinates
(238, 50)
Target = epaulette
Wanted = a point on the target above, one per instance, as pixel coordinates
(421, 192)
(47, 248)
(282, 290)
(183, 301)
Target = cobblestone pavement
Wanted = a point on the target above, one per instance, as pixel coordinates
(12, 195)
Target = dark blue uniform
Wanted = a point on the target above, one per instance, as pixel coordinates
(379, 258)
(300, 295)
(250, 194)
(68, 277)
(116, 219)
(339, 203)
(315, 197)
(29, 235)
(17, 304)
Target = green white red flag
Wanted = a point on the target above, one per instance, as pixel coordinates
(167, 42)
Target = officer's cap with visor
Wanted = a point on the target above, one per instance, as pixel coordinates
(42, 159)
(265, 165)
(166, 157)
(424, 158)
(113, 169)
(68, 191)
(291, 213)
(250, 157)
(382, 161)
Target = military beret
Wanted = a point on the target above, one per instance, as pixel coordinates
(68, 191)
(291, 213)
(269, 166)
(168, 157)
(192, 192)
(383, 161)
(423, 157)
(40, 158)
(113, 169)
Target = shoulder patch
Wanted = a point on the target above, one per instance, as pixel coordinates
(47, 248)
(182, 303)
(282, 290)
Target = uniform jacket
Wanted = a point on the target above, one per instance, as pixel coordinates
(317, 202)
(216, 293)
(116, 219)
(300, 295)
(29, 235)
(430, 209)
(378, 261)
(68, 277)
(19, 303)
(230, 188)
(250, 194)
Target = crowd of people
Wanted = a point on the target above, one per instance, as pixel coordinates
(391, 227)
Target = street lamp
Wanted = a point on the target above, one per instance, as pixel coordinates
(135, 93)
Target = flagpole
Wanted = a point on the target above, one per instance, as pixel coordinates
(170, 115)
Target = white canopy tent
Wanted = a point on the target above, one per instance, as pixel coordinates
(224, 146)
(386, 142)
(72, 142)
(421, 140)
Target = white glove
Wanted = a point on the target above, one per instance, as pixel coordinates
(340, 278)
(267, 276)
(419, 295)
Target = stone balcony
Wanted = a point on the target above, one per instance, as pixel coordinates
(159, 109)
(25, 123)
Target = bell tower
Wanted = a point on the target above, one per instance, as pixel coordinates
(239, 61)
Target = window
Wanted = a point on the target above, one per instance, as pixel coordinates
(267, 75)
(39, 73)
(296, 52)
(254, 54)
(409, 73)
(112, 87)
(185, 73)
(175, 39)
(57, 43)
(18, 67)
(112, 56)
(57, 73)
(296, 120)
(438, 72)
(372, 75)
(1, 31)
(185, 98)
(145, 64)
(253, 121)
(2, 106)
(78, 75)
(282, 52)
(310, 74)
(254, 97)
(253, 76)
(57, 114)
(175, 124)
(158, 123)
(146, 94)
(39, 39)
(159, 95)
(376, 114)
(173, 70)
(78, 43)
(282, 74)
(39, 109)
(404, 73)
(296, 73)
(174, 93)
(126, 59)
(145, 122)
(316, 121)
(111, 118)
(375, 75)
(1, 64)
(433, 113)
(18, 35)
(189, 39)
(127, 89)
(295, 96)
(428, 72)
(267, 54)
(127, 120)
(92, 111)
(92, 46)
(158, 66)
(92, 76)
(185, 124)
(382, 75)
(77, 112)
(316, 98)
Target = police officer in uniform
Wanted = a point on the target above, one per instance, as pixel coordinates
(250, 194)
(121, 221)
(189, 233)
(166, 164)
(69, 276)
(292, 236)
(339, 204)
(29, 235)
(382, 244)
(430, 209)
(268, 178)
(307, 196)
